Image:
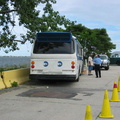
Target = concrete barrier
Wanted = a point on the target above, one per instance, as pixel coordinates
(20, 76)
(2, 85)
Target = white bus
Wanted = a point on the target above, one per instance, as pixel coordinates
(56, 56)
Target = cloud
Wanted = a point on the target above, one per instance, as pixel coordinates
(107, 11)
(94, 14)
(90, 13)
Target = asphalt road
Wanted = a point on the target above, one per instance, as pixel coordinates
(60, 100)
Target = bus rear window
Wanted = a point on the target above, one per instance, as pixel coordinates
(53, 48)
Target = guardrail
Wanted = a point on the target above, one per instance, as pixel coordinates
(8, 77)
(115, 61)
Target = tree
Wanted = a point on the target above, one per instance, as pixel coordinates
(29, 17)
(92, 40)
(103, 42)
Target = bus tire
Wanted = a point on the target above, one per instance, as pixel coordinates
(78, 76)
(77, 80)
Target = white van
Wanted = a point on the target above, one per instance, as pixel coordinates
(56, 55)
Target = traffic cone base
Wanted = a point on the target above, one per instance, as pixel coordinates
(115, 100)
(110, 116)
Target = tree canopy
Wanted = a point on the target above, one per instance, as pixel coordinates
(92, 40)
(39, 16)
(34, 15)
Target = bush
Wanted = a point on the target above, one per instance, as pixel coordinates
(14, 84)
(12, 67)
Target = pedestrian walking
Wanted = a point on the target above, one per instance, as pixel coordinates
(90, 64)
(97, 63)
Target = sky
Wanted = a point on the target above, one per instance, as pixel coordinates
(90, 13)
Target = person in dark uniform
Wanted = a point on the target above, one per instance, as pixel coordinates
(97, 63)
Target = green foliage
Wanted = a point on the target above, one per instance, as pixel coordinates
(92, 40)
(28, 16)
(1, 69)
(12, 67)
(14, 84)
(39, 16)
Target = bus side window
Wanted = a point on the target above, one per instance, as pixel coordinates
(79, 50)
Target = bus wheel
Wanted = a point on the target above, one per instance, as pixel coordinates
(77, 80)
(78, 76)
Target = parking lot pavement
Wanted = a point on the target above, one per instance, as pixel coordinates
(98, 86)
(56, 100)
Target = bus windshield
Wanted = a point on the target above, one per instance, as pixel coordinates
(54, 47)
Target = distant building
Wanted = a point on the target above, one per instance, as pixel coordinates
(115, 54)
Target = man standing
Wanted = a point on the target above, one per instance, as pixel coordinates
(90, 64)
(97, 63)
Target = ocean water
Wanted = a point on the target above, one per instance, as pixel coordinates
(7, 61)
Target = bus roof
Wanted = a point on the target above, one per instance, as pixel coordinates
(54, 37)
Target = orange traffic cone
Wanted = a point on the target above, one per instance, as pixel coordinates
(106, 110)
(115, 96)
(88, 114)
(119, 84)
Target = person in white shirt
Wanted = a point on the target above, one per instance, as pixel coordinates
(90, 64)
